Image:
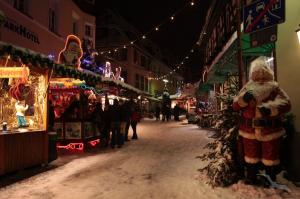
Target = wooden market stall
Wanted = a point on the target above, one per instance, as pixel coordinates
(73, 104)
(23, 111)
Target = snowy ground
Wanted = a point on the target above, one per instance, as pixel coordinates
(161, 164)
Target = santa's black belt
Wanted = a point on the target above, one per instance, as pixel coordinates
(262, 123)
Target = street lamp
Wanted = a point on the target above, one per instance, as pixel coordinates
(298, 33)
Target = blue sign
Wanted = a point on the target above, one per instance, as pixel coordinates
(263, 14)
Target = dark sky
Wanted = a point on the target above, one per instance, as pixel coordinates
(177, 36)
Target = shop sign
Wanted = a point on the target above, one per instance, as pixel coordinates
(14, 72)
(262, 37)
(21, 30)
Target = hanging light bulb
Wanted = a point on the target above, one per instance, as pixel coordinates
(124, 46)
(156, 29)
(144, 37)
(108, 52)
(116, 50)
(131, 42)
(172, 18)
(186, 57)
(192, 3)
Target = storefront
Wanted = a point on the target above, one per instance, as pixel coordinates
(23, 111)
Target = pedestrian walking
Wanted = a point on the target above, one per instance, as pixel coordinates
(115, 118)
(105, 134)
(176, 112)
(157, 113)
(135, 119)
(127, 109)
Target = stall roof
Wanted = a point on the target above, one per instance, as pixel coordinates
(43, 62)
(122, 84)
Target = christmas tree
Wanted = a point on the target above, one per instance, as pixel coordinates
(224, 166)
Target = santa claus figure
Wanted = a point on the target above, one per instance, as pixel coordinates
(262, 104)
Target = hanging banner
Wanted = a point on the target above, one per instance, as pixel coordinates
(14, 72)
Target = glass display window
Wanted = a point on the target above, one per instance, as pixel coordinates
(23, 98)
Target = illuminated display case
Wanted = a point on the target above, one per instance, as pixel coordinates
(23, 115)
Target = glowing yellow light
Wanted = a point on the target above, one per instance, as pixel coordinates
(298, 34)
(116, 50)
(192, 3)
(109, 52)
(156, 29)
(172, 18)
(144, 37)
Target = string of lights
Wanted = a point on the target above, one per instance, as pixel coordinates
(145, 35)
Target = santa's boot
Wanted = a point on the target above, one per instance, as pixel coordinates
(252, 170)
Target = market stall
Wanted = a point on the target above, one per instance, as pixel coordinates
(23, 113)
(73, 103)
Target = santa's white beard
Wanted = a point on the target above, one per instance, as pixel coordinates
(261, 91)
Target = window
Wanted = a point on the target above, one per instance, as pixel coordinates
(88, 30)
(75, 28)
(137, 81)
(20, 5)
(142, 83)
(51, 20)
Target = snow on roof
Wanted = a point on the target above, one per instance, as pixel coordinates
(122, 84)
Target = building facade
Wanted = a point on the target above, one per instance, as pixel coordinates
(42, 26)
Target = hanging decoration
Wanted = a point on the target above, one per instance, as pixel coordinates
(72, 52)
(156, 28)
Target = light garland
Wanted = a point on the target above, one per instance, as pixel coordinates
(155, 29)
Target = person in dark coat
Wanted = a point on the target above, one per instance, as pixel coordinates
(135, 119)
(115, 118)
(176, 113)
(105, 134)
(157, 113)
(127, 110)
(97, 118)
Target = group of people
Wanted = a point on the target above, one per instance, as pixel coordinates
(115, 120)
(166, 113)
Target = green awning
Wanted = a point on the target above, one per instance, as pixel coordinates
(227, 63)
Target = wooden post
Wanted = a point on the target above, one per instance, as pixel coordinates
(242, 79)
(275, 62)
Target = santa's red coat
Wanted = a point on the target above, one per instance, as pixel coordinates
(268, 95)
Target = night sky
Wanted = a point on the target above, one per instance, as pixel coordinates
(177, 36)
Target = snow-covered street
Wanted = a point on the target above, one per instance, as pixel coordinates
(161, 164)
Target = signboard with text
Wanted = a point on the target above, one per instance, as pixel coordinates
(263, 14)
(14, 72)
